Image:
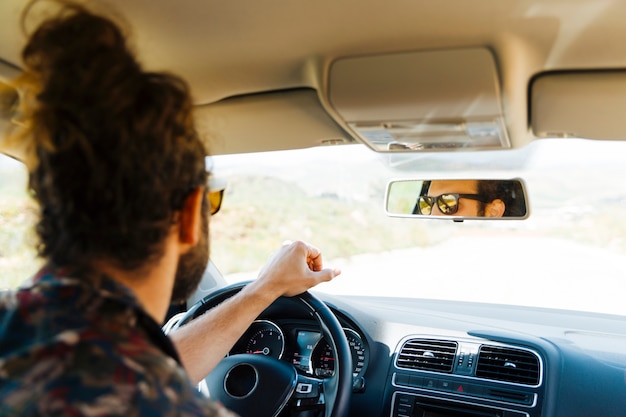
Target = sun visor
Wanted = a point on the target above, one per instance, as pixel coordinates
(420, 101)
(280, 120)
(582, 104)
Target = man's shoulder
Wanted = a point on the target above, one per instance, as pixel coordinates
(65, 362)
(119, 401)
(93, 379)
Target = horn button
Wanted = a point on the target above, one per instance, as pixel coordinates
(252, 384)
(241, 380)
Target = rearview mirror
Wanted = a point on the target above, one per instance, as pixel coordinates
(457, 200)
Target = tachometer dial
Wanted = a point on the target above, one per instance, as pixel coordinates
(265, 338)
(324, 356)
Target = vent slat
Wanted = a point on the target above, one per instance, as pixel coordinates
(507, 364)
(429, 355)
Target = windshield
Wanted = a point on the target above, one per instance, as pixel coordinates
(570, 253)
(571, 245)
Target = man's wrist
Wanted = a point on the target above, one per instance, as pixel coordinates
(262, 291)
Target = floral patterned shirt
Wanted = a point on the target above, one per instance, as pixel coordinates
(76, 344)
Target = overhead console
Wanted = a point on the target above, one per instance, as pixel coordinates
(451, 377)
(420, 101)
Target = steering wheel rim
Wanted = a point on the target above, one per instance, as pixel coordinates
(245, 398)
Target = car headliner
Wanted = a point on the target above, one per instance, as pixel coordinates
(227, 49)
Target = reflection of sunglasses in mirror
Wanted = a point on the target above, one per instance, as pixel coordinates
(447, 203)
(215, 200)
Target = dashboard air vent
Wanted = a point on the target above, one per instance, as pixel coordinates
(428, 355)
(507, 364)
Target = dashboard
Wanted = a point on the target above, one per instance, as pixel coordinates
(432, 358)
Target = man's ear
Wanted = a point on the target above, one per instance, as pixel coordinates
(191, 217)
(495, 208)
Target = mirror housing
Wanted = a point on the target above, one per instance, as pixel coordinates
(457, 199)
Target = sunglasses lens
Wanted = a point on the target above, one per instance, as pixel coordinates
(215, 200)
(448, 203)
(425, 205)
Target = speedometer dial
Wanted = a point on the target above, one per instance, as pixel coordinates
(323, 358)
(265, 338)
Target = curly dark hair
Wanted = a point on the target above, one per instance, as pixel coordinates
(115, 147)
(509, 191)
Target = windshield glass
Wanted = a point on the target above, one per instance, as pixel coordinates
(18, 215)
(570, 252)
(571, 245)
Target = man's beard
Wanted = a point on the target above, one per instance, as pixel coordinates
(192, 265)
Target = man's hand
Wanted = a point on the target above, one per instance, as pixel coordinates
(293, 269)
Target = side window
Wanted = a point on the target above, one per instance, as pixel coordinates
(18, 215)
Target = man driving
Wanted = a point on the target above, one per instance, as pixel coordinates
(118, 170)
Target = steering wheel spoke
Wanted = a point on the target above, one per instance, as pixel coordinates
(309, 393)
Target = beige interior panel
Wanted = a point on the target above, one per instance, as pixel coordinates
(589, 105)
(7, 71)
(423, 85)
(282, 120)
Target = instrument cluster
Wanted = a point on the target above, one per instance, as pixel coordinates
(303, 345)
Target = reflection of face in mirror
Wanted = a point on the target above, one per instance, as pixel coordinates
(457, 199)
(470, 198)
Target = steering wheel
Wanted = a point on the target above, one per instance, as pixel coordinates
(262, 386)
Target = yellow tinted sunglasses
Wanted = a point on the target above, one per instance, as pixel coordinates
(215, 192)
(215, 200)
